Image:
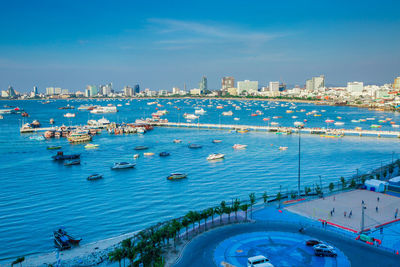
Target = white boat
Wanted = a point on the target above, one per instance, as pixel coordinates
(215, 156)
(200, 111)
(107, 109)
(298, 123)
(283, 148)
(136, 156)
(236, 119)
(69, 115)
(190, 116)
(227, 113)
(91, 146)
(239, 146)
(339, 123)
(395, 125)
(274, 123)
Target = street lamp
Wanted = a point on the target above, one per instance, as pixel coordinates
(298, 177)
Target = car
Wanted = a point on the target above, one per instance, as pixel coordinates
(313, 242)
(324, 250)
(259, 261)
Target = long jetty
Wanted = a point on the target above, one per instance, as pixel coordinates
(320, 131)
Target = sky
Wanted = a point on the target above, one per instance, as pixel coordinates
(165, 44)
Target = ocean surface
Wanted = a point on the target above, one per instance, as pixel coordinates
(37, 194)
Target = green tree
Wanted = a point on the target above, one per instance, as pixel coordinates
(126, 246)
(244, 208)
(18, 260)
(378, 176)
(219, 211)
(204, 215)
(228, 211)
(235, 207)
(352, 183)
(343, 181)
(116, 255)
(279, 197)
(252, 198)
(265, 197)
(185, 223)
(307, 190)
(191, 215)
(211, 212)
(331, 186)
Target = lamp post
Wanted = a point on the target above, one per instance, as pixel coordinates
(298, 177)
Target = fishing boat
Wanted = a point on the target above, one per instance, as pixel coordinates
(283, 148)
(195, 146)
(63, 240)
(141, 148)
(216, 141)
(60, 156)
(91, 146)
(176, 141)
(215, 156)
(176, 176)
(239, 146)
(122, 165)
(164, 154)
(72, 162)
(94, 177)
(79, 136)
(53, 147)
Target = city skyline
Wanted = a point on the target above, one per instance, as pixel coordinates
(71, 45)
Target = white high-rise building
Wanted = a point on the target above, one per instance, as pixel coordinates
(273, 86)
(247, 86)
(315, 83)
(355, 88)
(50, 91)
(175, 90)
(57, 91)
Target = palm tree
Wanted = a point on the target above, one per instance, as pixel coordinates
(126, 247)
(252, 197)
(244, 208)
(228, 211)
(175, 227)
(18, 260)
(343, 182)
(204, 215)
(192, 217)
(331, 186)
(211, 212)
(265, 197)
(185, 222)
(279, 197)
(220, 212)
(235, 207)
(116, 255)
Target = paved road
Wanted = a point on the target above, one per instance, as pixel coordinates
(199, 252)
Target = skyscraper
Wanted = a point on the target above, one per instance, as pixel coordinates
(315, 83)
(35, 91)
(11, 92)
(128, 91)
(273, 86)
(246, 86)
(50, 91)
(136, 89)
(203, 85)
(227, 82)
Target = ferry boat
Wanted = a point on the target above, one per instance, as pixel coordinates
(79, 136)
(239, 146)
(176, 176)
(215, 156)
(123, 165)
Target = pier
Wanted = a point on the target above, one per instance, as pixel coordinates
(319, 131)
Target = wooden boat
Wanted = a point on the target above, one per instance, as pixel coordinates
(72, 162)
(164, 154)
(141, 148)
(94, 177)
(60, 156)
(176, 176)
(53, 147)
(194, 146)
(63, 240)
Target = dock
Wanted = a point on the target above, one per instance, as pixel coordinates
(319, 131)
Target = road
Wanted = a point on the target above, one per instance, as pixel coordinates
(199, 252)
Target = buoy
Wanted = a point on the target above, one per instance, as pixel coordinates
(280, 211)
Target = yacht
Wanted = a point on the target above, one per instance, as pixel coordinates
(190, 116)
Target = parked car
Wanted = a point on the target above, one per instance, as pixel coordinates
(259, 261)
(313, 242)
(324, 250)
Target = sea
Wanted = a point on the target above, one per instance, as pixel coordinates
(37, 194)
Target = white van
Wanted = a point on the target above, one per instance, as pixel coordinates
(258, 261)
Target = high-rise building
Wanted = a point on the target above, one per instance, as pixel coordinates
(128, 91)
(175, 90)
(87, 92)
(11, 92)
(282, 87)
(227, 82)
(50, 91)
(355, 87)
(64, 92)
(274, 86)
(203, 85)
(35, 91)
(247, 86)
(105, 90)
(57, 91)
(396, 84)
(315, 83)
(136, 89)
(93, 90)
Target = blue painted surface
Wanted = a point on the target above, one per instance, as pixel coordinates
(281, 248)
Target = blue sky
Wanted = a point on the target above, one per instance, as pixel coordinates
(161, 44)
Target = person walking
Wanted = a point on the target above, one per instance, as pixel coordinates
(350, 214)
(376, 208)
(344, 214)
(377, 199)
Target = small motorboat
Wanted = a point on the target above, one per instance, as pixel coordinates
(72, 162)
(216, 141)
(176, 141)
(136, 156)
(37, 137)
(141, 148)
(91, 146)
(283, 148)
(60, 156)
(215, 156)
(176, 176)
(148, 154)
(195, 146)
(63, 240)
(69, 115)
(51, 121)
(94, 177)
(53, 147)
(164, 154)
(239, 146)
(24, 114)
(123, 165)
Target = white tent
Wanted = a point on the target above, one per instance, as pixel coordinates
(395, 181)
(375, 185)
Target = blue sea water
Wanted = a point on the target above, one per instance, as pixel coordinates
(38, 194)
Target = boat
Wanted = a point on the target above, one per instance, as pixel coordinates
(1, 117)
(148, 154)
(94, 177)
(227, 113)
(195, 146)
(136, 156)
(339, 123)
(24, 114)
(329, 121)
(216, 141)
(283, 148)
(190, 116)
(79, 136)
(72, 162)
(376, 126)
(86, 107)
(242, 130)
(200, 111)
(63, 240)
(123, 165)
(141, 148)
(51, 121)
(53, 147)
(298, 124)
(164, 154)
(176, 176)
(236, 119)
(49, 134)
(176, 141)
(35, 124)
(37, 137)
(91, 146)
(239, 146)
(69, 115)
(67, 107)
(107, 109)
(215, 156)
(60, 156)
(331, 135)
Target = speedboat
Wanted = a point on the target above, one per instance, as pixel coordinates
(148, 154)
(176, 141)
(136, 156)
(141, 148)
(216, 141)
(242, 130)
(53, 147)
(176, 176)
(239, 146)
(227, 113)
(123, 165)
(60, 156)
(69, 115)
(200, 111)
(91, 146)
(195, 146)
(164, 154)
(72, 162)
(37, 137)
(94, 177)
(283, 148)
(215, 156)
